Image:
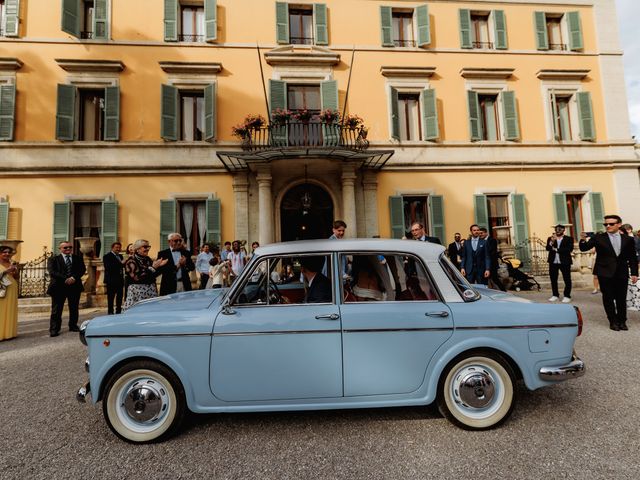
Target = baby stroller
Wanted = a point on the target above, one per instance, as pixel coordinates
(520, 281)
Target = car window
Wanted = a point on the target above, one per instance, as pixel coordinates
(387, 277)
(288, 279)
(464, 288)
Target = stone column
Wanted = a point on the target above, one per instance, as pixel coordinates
(265, 205)
(370, 187)
(241, 195)
(349, 199)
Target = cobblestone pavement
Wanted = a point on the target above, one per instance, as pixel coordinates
(582, 429)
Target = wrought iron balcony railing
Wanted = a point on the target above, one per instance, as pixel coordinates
(404, 43)
(488, 45)
(86, 35)
(188, 37)
(558, 46)
(305, 134)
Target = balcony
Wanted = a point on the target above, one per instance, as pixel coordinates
(558, 46)
(483, 45)
(85, 35)
(187, 37)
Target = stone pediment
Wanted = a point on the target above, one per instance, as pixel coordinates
(302, 55)
(487, 73)
(73, 65)
(560, 74)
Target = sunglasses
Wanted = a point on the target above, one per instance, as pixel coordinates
(610, 224)
(66, 248)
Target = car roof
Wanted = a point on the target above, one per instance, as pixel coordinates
(429, 251)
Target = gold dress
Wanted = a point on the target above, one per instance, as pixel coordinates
(9, 309)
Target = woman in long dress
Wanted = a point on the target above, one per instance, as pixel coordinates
(142, 272)
(633, 292)
(8, 295)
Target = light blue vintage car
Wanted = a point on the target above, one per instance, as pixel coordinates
(328, 324)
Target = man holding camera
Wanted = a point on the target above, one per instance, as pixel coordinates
(615, 257)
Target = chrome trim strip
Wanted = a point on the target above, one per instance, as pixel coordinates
(386, 330)
(573, 369)
(149, 335)
(511, 327)
(273, 332)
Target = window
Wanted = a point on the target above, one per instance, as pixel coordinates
(86, 29)
(88, 114)
(579, 212)
(489, 117)
(574, 215)
(192, 223)
(383, 277)
(480, 30)
(405, 210)
(483, 30)
(192, 115)
(304, 98)
(571, 115)
(409, 110)
(557, 31)
(87, 222)
(301, 26)
(493, 116)
(414, 114)
(197, 219)
(505, 215)
(403, 28)
(91, 112)
(498, 214)
(86, 19)
(562, 115)
(192, 23)
(2, 17)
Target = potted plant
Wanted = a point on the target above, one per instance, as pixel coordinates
(280, 116)
(303, 116)
(329, 116)
(241, 131)
(352, 121)
(254, 121)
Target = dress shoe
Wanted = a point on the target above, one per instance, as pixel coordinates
(74, 329)
(614, 327)
(54, 334)
(623, 326)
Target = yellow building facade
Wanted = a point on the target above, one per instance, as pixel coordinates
(117, 117)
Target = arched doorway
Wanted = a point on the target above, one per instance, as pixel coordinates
(306, 212)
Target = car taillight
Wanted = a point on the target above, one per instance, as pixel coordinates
(579, 315)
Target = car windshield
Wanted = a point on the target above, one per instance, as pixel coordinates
(464, 288)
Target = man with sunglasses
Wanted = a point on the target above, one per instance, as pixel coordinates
(615, 258)
(175, 274)
(66, 271)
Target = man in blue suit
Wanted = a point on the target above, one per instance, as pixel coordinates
(475, 263)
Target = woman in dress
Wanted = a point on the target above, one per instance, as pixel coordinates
(633, 293)
(141, 272)
(8, 294)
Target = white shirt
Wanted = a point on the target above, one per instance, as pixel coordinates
(558, 241)
(474, 243)
(616, 242)
(176, 254)
(202, 262)
(237, 262)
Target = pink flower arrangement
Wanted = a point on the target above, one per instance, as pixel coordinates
(329, 116)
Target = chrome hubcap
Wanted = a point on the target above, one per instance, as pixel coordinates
(475, 387)
(145, 401)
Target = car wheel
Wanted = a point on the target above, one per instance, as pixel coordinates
(477, 392)
(144, 401)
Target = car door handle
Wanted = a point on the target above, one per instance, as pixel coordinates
(329, 316)
(437, 314)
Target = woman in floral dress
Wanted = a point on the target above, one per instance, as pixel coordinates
(141, 272)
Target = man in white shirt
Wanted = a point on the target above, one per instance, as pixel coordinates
(202, 265)
(560, 247)
(237, 258)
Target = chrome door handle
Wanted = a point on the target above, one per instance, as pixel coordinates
(437, 314)
(329, 316)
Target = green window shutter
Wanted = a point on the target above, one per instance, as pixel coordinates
(396, 214)
(170, 20)
(210, 112)
(597, 211)
(540, 23)
(211, 20)
(575, 31)
(555, 117)
(4, 220)
(560, 208)
(214, 221)
(282, 23)
(320, 23)
(12, 18)
(61, 214)
(423, 26)
(112, 114)
(329, 99)
(465, 28)
(66, 112)
(585, 113)
(395, 115)
(480, 210)
(170, 113)
(520, 226)
(168, 214)
(510, 111)
(101, 20)
(7, 111)
(429, 114)
(278, 100)
(436, 214)
(386, 27)
(475, 124)
(500, 26)
(71, 17)
(109, 230)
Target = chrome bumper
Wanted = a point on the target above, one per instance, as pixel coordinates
(83, 392)
(575, 368)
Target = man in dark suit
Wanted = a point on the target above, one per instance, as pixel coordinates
(492, 250)
(560, 247)
(454, 250)
(319, 290)
(475, 264)
(615, 257)
(113, 277)
(417, 230)
(175, 274)
(66, 271)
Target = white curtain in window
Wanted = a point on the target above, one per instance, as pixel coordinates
(187, 221)
(202, 221)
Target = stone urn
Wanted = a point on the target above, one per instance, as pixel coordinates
(87, 245)
(88, 249)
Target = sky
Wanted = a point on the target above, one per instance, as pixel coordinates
(628, 12)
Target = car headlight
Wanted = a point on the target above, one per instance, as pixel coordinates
(83, 329)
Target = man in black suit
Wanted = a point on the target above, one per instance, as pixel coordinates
(319, 290)
(417, 230)
(454, 250)
(475, 264)
(560, 247)
(113, 277)
(175, 274)
(492, 250)
(66, 271)
(615, 257)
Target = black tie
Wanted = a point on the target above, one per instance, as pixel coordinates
(67, 266)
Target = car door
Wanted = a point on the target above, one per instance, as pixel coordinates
(267, 348)
(388, 341)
